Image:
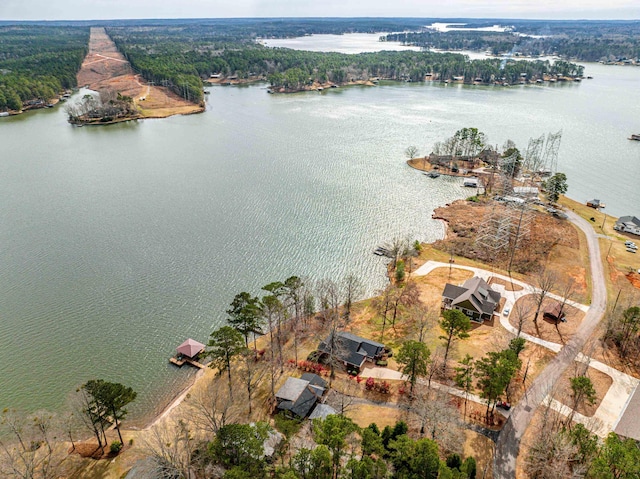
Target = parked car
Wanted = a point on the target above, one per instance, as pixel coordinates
(503, 405)
(505, 311)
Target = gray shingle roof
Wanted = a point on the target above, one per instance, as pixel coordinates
(628, 219)
(292, 389)
(476, 291)
(300, 395)
(352, 349)
(322, 411)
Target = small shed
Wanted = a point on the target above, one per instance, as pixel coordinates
(554, 312)
(593, 204)
(190, 348)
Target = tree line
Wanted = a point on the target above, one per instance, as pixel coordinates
(37, 63)
(581, 41)
(183, 57)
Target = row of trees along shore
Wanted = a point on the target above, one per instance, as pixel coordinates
(37, 63)
(181, 58)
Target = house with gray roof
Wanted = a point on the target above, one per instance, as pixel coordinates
(628, 224)
(475, 298)
(298, 396)
(353, 351)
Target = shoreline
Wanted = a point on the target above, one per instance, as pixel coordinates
(173, 403)
(201, 374)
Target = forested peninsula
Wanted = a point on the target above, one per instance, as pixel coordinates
(39, 61)
(183, 56)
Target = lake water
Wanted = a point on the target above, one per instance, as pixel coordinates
(350, 43)
(117, 243)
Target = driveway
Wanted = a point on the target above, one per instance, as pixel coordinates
(508, 444)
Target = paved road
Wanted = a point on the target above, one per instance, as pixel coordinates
(508, 444)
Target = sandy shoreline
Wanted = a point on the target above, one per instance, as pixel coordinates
(175, 402)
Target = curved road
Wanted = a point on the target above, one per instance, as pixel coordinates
(508, 444)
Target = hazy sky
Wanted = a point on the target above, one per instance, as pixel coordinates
(108, 9)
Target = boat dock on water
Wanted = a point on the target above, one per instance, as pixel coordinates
(188, 353)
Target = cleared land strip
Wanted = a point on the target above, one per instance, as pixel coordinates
(105, 68)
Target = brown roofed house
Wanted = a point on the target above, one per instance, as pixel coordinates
(475, 298)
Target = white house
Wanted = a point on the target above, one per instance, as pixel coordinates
(628, 224)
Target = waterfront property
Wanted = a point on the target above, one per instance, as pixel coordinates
(595, 204)
(474, 298)
(351, 350)
(188, 352)
(628, 224)
(298, 396)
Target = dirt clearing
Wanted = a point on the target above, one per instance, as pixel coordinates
(105, 68)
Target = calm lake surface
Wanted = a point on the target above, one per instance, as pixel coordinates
(119, 242)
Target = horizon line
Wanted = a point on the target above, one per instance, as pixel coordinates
(504, 19)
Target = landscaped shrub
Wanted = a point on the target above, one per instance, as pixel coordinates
(370, 384)
(384, 387)
(311, 367)
(116, 447)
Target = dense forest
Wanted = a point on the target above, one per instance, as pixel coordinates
(38, 62)
(583, 41)
(183, 56)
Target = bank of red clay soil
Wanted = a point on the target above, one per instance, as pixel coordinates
(105, 68)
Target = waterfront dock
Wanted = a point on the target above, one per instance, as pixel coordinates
(188, 353)
(182, 361)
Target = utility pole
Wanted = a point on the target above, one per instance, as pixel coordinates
(616, 302)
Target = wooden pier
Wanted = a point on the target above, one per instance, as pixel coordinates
(181, 362)
(188, 352)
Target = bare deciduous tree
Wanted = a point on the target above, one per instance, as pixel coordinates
(344, 395)
(252, 374)
(411, 152)
(212, 408)
(434, 415)
(422, 319)
(352, 290)
(551, 452)
(382, 304)
(545, 281)
(435, 366)
(522, 309)
(29, 446)
(170, 449)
